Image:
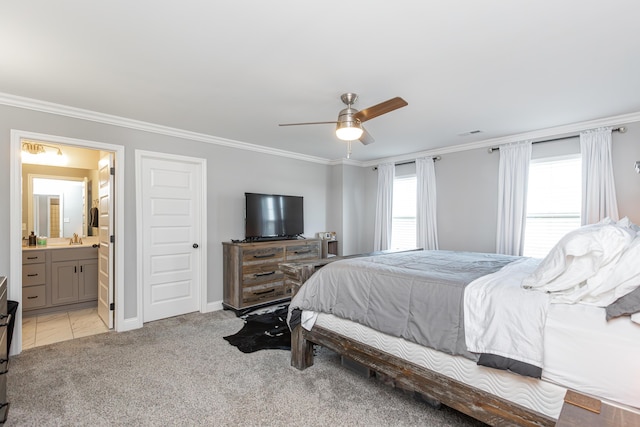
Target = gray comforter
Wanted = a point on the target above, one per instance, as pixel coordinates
(417, 296)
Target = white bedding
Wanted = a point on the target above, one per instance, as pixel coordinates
(502, 318)
(594, 264)
(586, 353)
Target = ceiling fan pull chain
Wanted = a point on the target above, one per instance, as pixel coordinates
(348, 149)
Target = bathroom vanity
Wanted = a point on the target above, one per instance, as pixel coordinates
(59, 278)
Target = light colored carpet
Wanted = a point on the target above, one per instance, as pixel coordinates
(180, 372)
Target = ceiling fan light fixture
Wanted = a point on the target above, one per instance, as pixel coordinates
(349, 130)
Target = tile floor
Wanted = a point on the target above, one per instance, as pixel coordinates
(49, 328)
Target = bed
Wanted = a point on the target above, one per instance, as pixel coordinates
(569, 319)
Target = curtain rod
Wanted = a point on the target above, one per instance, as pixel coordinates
(435, 158)
(621, 129)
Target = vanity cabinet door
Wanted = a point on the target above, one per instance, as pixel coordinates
(88, 280)
(64, 282)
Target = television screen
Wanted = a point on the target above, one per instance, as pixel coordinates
(271, 216)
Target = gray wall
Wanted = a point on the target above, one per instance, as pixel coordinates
(467, 186)
(347, 209)
(354, 210)
(230, 173)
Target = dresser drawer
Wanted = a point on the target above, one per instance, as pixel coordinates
(252, 256)
(258, 273)
(263, 292)
(33, 274)
(33, 257)
(302, 251)
(34, 297)
(74, 254)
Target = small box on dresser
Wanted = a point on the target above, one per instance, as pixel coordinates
(251, 272)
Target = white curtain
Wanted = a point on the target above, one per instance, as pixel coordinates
(384, 205)
(598, 187)
(426, 221)
(513, 179)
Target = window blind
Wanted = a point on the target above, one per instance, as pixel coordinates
(403, 234)
(553, 203)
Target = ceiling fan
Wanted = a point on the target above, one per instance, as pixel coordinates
(349, 123)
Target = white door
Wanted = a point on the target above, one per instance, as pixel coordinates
(172, 200)
(105, 227)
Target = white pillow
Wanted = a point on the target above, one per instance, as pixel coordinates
(626, 276)
(626, 222)
(579, 255)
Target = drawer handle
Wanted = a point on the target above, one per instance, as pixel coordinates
(264, 274)
(32, 297)
(302, 252)
(264, 292)
(264, 256)
(32, 275)
(32, 257)
(2, 325)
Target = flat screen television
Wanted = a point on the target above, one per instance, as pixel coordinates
(273, 216)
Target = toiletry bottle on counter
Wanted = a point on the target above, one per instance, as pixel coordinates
(32, 239)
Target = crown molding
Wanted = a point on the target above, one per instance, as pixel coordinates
(79, 113)
(346, 162)
(552, 132)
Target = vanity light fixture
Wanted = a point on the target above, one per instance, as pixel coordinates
(38, 148)
(37, 153)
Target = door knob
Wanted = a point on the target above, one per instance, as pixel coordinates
(195, 246)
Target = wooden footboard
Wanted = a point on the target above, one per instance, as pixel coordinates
(406, 375)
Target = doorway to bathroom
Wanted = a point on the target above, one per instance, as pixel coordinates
(76, 297)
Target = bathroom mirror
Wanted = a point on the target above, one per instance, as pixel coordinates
(57, 206)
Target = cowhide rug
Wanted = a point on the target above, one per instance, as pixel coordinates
(263, 329)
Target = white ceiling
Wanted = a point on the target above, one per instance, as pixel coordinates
(235, 69)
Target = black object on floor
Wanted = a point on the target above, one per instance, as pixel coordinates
(12, 308)
(263, 330)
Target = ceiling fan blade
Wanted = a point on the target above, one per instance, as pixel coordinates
(366, 137)
(308, 123)
(380, 109)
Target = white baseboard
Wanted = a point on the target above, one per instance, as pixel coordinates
(129, 324)
(213, 306)
(136, 323)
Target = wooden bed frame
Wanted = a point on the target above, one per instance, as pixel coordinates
(408, 376)
(578, 410)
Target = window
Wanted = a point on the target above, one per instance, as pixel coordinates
(554, 199)
(403, 226)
